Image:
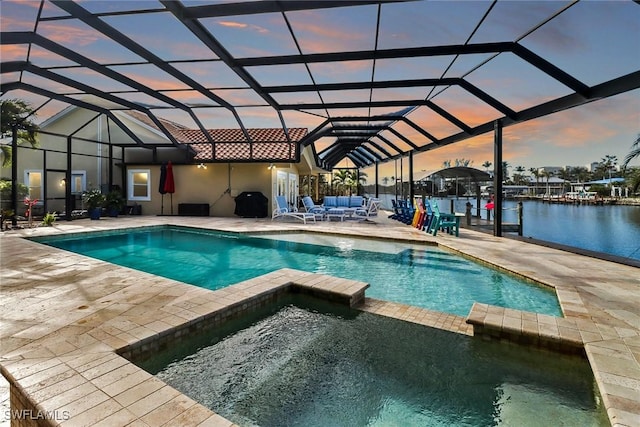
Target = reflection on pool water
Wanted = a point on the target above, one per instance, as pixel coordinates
(305, 362)
(424, 276)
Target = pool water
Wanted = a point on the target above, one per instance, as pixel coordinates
(422, 276)
(305, 362)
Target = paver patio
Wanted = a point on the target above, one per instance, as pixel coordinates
(63, 315)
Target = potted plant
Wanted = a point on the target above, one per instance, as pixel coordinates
(93, 201)
(114, 202)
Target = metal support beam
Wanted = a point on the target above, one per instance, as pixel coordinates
(14, 173)
(411, 189)
(67, 188)
(497, 178)
(377, 185)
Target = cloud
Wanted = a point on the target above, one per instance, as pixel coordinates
(241, 25)
(69, 35)
(13, 52)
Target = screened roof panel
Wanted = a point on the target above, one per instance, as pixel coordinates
(407, 93)
(468, 108)
(240, 97)
(274, 75)
(509, 20)
(337, 96)
(44, 58)
(301, 119)
(432, 23)
(505, 78)
(342, 71)
(181, 45)
(211, 118)
(412, 68)
(142, 99)
(297, 98)
(252, 36)
(258, 117)
(437, 125)
(191, 98)
(92, 78)
(464, 64)
(450, 68)
(211, 74)
(16, 52)
(44, 83)
(150, 76)
(10, 77)
(80, 38)
(18, 16)
(570, 42)
(325, 30)
(121, 6)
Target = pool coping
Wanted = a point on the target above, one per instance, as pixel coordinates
(612, 351)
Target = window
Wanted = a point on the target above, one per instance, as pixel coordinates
(139, 184)
(78, 181)
(33, 180)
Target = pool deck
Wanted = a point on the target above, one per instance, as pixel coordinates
(63, 316)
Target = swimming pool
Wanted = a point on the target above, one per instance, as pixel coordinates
(423, 276)
(305, 362)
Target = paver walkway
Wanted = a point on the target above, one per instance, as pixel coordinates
(62, 315)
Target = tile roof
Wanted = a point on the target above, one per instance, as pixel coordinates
(268, 144)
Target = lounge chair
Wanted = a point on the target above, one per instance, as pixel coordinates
(283, 210)
(371, 209)
(311, 207)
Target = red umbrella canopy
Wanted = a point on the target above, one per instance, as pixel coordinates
(169, 184)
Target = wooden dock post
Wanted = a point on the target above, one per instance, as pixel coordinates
(520, 218)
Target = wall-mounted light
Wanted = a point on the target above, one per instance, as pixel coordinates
(271, 166)
(63, 182)
(202, 166)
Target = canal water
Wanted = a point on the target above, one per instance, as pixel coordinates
(612, 229)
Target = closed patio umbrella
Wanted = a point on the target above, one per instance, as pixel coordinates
(163, 181)
(169, 185)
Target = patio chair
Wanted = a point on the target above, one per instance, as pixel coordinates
(371, 209)
(311, 207)
(283, 210)
(445, 221)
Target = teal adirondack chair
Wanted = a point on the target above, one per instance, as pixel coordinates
(444, 220)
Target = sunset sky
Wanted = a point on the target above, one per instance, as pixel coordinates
(594, 41)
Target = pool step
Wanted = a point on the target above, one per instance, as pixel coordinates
(526, 328)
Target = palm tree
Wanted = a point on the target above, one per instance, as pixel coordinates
(635, 152)
(486, 165)
(446, 164)
(342, 180)
(356, 180)
(536, 174)
(580, 174)
(385, 181)
(633, 179)
(607, 163)
(16, 112)
(565, 174)
(463, 162)
(505, 170)
(547, 175)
